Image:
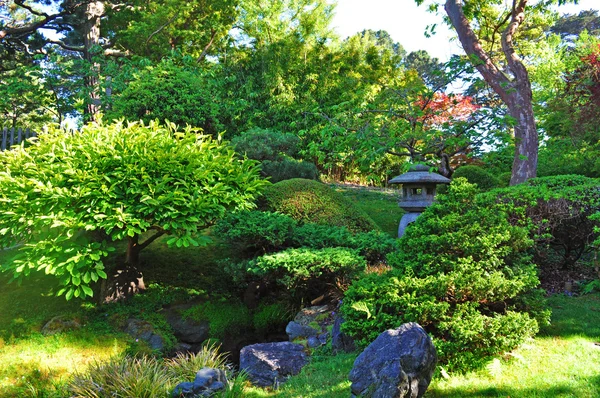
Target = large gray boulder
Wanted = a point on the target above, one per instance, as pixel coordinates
(269, 364)
(399, 363)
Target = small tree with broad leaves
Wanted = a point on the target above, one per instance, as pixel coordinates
(129, 182)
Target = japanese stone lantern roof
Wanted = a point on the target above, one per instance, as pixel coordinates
(419, 174)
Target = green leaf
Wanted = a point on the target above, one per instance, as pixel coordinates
(87, 290)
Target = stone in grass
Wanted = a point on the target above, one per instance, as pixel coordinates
(207, 382)
(143, 330)
(269, 364)
(399, 363)
(340, 341)
(60, 324)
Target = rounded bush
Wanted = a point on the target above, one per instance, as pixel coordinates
(477, 175)
(463, 271)
(309, 201)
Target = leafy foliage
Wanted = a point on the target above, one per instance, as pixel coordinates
(459, 272)
(308, 270)
(119, 181)
(477, 175)
(174, 90)
(277, 152)
(268, 232)
(310, 201)
(225, 318)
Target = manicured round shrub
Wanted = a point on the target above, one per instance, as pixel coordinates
(311, 201)
(464, 272)
(477, 175)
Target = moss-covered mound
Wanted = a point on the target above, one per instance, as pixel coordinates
(311, 201)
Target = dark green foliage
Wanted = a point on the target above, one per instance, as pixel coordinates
(304, 271)
(477, 175)
(170, 91)
(265, 144)
(310, 201)
(287, 169)
(460, 272)
(271, 317)
(225, 318)
(560, 211)
(257, 230)
(268, 232)
(276, 151)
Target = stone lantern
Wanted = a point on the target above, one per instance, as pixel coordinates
(418, 192)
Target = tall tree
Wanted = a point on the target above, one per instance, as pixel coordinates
(489, 22)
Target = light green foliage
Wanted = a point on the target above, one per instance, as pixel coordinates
(119, 181)
(477, 175)
(302, 270)
(458, 273)
(310, 201)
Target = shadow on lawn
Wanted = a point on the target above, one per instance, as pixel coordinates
(516, 392)
(574, 316)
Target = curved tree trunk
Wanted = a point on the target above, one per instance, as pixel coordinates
(515, 93)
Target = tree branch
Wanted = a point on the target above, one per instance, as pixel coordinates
(470, 43)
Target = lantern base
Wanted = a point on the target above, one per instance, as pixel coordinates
(406, 219)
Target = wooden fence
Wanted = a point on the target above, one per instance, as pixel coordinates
(14, 136)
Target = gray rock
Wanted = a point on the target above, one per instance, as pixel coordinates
(185, 389)
(296, 331)
(186, 329)
(313, 342)
(339, 340)
(206, 383)
(60, 324)
(399, 363)
(143, 330)
(269, 364)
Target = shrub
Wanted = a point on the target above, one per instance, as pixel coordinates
(256, 230)
(120, 181)
(309, 201)
(288, 169)
(267, 232)
(477, 175)
(463, 272)
(303, 271)
(560, 210)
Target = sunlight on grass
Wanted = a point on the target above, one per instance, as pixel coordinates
(46, 360)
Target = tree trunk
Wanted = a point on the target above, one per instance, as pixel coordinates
(526, 137)
(91, 40)
(127, 279)
(515, 93)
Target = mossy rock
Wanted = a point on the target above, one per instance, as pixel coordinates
(309, 201)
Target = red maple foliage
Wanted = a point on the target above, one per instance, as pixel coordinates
(443, 108)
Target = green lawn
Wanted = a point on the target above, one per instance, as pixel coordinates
(379, 203)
